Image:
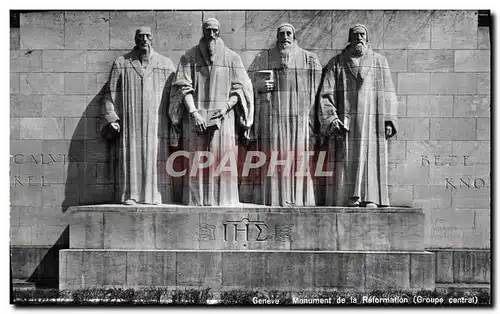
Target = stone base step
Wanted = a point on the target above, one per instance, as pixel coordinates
(235, 269)
(249, 227)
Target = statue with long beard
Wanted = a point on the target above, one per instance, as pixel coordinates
(211, 85)
(134, 108)
(358, 111)
(284, 122)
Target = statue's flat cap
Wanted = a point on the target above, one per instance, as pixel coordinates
(143, 30)
(211, 21)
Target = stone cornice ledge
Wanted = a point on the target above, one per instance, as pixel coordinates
(241, 208)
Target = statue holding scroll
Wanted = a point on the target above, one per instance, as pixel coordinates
(358, 110)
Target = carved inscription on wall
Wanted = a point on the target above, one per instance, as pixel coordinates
(448, 160)
(245, 230)
(467, 182)
(240, 230)
(40, 160)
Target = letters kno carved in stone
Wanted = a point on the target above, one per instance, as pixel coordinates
(468, 182)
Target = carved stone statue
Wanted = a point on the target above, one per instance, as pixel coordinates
(132, 105)
(211, 106)
(358, 109)
(285, 81)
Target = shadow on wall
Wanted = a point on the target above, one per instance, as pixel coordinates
(89, 178)
(46, 274)
(88, 181)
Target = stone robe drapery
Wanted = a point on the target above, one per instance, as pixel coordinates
(211, 83)
(365, 95)
(138, 97)
(284, 124)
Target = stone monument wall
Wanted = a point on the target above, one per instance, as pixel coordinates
(439, 160)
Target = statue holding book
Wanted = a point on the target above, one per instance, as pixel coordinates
(285, 82)
(358, 110)
(211, 109)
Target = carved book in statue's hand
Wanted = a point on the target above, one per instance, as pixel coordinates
(345, 119)
(212, 124)
(265, 75)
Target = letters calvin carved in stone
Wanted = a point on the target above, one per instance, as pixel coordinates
(358, 108)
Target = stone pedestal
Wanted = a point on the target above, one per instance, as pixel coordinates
(248, 247)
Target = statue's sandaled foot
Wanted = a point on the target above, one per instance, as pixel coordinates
(353, 202)
(130, 202)
(371, 205)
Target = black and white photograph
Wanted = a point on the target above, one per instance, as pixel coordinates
(256, 158)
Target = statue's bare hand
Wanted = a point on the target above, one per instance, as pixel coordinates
(337, 127)
(201, 124)
(115, 126)
(265, 86)
(389, 131)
